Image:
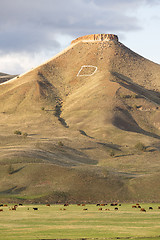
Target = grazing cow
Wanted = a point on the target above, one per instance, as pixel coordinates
(35, 208)
(1, 210)
(114, 204)
(85, 209)
(78, 204)
(48, 205)
(66, 204)
(158, 207)
(97, 204)
(14, 208)
(139, 206)
(150, 208)
(20, 204)
(107, 209)
(143, 210)
(5, 205)
(120, 204)
(102, 204)
(83, 204)
(100, 209)
(1, 205)
(116, 208)
(134, 206)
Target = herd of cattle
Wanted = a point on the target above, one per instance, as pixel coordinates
(99, 205)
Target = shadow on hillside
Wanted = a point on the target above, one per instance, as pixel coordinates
(110, 145)
(17, 170)
(13, 190)
(76, 156)
(62, 155)
(129, 84)
(58, 112)
(85, 134)
(49, 92)
(124, 121)
(122, 118)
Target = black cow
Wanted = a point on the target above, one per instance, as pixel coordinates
(35, 208)
(150, 208)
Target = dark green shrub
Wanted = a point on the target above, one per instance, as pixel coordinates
(60, 144)
(25, 134)
(17, 132)
(10, 169)
(140, 147)
(112, 153)
(134, 107)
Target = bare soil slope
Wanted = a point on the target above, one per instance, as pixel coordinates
(81, 115)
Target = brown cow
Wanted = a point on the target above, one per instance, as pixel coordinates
(134, 206)
(158, 207)
(100, 209)
(14, 208)
(143, 210)
(1, 210)
(85, 209)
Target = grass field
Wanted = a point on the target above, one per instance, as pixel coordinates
(49, 222)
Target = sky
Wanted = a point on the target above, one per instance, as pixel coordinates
(33, 31)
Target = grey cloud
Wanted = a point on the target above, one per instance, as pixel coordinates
(69, 17)
(25, 39)
(125, 4)
(33, 25)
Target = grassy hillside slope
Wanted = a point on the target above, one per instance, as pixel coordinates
(90, 127)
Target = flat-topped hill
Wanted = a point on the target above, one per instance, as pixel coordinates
(88, 117)
(97, 37)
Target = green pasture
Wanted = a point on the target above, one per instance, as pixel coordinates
(49, 222)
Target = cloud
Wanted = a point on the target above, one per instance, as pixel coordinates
(34, 26)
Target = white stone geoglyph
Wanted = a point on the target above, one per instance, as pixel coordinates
(87, 66)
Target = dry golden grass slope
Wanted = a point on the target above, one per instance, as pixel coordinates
(84, 111)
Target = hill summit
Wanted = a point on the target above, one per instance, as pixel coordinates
(88, 117)
(97, 37)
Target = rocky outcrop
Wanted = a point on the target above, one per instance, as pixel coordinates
(97, 37)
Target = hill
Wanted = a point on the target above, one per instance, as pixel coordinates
(89, 121)
(5, 77)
